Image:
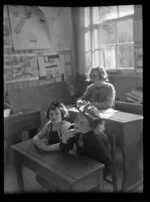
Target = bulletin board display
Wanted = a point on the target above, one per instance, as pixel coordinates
(20, 67)
(50, 66)
(6, 29)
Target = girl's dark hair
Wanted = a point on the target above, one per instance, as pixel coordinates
(61, 106)
(92, 114)
(102, 73)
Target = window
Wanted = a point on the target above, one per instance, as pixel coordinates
(109, 37)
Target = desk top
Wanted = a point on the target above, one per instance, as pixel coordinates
(19, 122)
(115, 115)
(68, 166)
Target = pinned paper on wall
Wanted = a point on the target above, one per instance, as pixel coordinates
(49, 66)
(20, 67)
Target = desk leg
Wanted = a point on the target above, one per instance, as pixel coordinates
(131, 169)
(101, 183)
(19, 174)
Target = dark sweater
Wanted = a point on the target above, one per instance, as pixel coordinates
(94, 146)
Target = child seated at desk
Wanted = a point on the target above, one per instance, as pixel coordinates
(88, 137)
(100, 93)
(48, 138)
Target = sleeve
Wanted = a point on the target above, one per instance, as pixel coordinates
(87, 94)
(66, 125)
(109, 100)
(68, 146)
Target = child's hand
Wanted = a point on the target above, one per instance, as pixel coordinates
(70, 133)
(41, 144)
(35, 139)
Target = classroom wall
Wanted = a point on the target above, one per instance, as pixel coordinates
(37, 94)
(34, 96)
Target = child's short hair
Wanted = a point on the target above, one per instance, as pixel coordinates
(92, 113)
(61, 106)
(102, 73)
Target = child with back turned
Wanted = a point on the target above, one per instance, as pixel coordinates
(88, 137)
(100, 93)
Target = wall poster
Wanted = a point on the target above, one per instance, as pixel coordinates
(49, 66)
(20, 67)
(29, 28)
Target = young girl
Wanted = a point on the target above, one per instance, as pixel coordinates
(100, 93)
(88, 137)
(49, 137)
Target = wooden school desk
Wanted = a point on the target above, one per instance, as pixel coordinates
(67, 172)
(128, 129)
(27, 120)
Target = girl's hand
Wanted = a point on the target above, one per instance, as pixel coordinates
(41, 144)
(35, 139)
(70, 133)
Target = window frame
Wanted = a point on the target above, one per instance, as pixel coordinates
(92, 27)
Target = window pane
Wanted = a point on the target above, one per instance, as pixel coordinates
(126, 10)
(108, 33)
(95, 58)
(88, 60)
(95, 39)
(87, 16)
(87, 41)
(108, 12)
(110, 59)
(125, 31)
(95, 11)
(101, 58)
(126, 56)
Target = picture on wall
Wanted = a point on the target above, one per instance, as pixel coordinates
(29, 28)
(20, 67)
(6, 29)
(49, 66)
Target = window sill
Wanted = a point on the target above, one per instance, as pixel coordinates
(125, 73)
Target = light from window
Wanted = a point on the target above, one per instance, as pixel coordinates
(108, 12)
(111, 41)
(108, 33)
(87, 41)
(87, 17)
(125, 31)
(126, 56)
(126, 10)
(110, 57)
(96, 19)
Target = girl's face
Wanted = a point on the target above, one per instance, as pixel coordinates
(94, 76)
(55, 115)
(81, 123)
